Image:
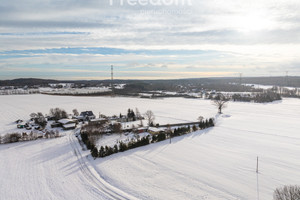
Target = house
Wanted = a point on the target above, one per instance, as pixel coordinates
(68, 124)
(86, 115)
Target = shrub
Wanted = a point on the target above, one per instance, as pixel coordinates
(287, 193)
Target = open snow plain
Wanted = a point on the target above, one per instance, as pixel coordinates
(217, 163)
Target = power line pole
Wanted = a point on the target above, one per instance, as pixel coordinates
(257, 165)
(241, 78)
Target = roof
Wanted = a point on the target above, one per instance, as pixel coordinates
(66, 121)
(73, 125)
(98, 120)
(87, 113)
(154, 129)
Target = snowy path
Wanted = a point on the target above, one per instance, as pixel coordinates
(93, 178)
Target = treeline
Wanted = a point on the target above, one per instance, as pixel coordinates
(18, 91)
(21, 137)
(258, 98)
(89, 141)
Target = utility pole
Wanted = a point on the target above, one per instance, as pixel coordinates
(112, 80)
(257, 165)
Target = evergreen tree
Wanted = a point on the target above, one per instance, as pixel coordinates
(102, 152)
(94, 152)
(116, 150)
(194, 128)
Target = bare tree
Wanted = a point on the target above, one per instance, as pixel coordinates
(137, 114)
(41, 120)
(58, 113)
(220, 102)
(200, 118)
(287, 193)
(141, 123)
(149, 117)
(75, 112)
(33, 115)
(117, 128)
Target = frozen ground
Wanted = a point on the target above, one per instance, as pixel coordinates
(218, 163)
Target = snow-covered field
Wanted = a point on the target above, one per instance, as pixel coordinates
(166, 111)
(218, 163)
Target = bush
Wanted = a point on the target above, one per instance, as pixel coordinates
(287, 193)
(161, 137)
(13, 137)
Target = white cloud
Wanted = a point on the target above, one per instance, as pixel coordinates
(261, 33)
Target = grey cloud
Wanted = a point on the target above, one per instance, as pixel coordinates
(54, 24)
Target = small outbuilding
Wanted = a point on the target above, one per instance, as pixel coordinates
(67, 124)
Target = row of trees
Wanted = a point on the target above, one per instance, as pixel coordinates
(265, 97)
(20, 137)
(88, 138)
(258, 98)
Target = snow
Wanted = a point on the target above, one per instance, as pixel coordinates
(51, 169)
(65, 121)
(216, 163)
(111, 140)
(154, 129)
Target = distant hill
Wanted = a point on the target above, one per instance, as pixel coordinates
(26, 81)
(292, 81)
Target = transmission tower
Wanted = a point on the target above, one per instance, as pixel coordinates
(287, 78)
(112, 80)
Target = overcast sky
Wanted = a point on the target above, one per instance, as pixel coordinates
(80, 39)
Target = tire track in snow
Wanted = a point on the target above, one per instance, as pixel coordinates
(97, 184)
